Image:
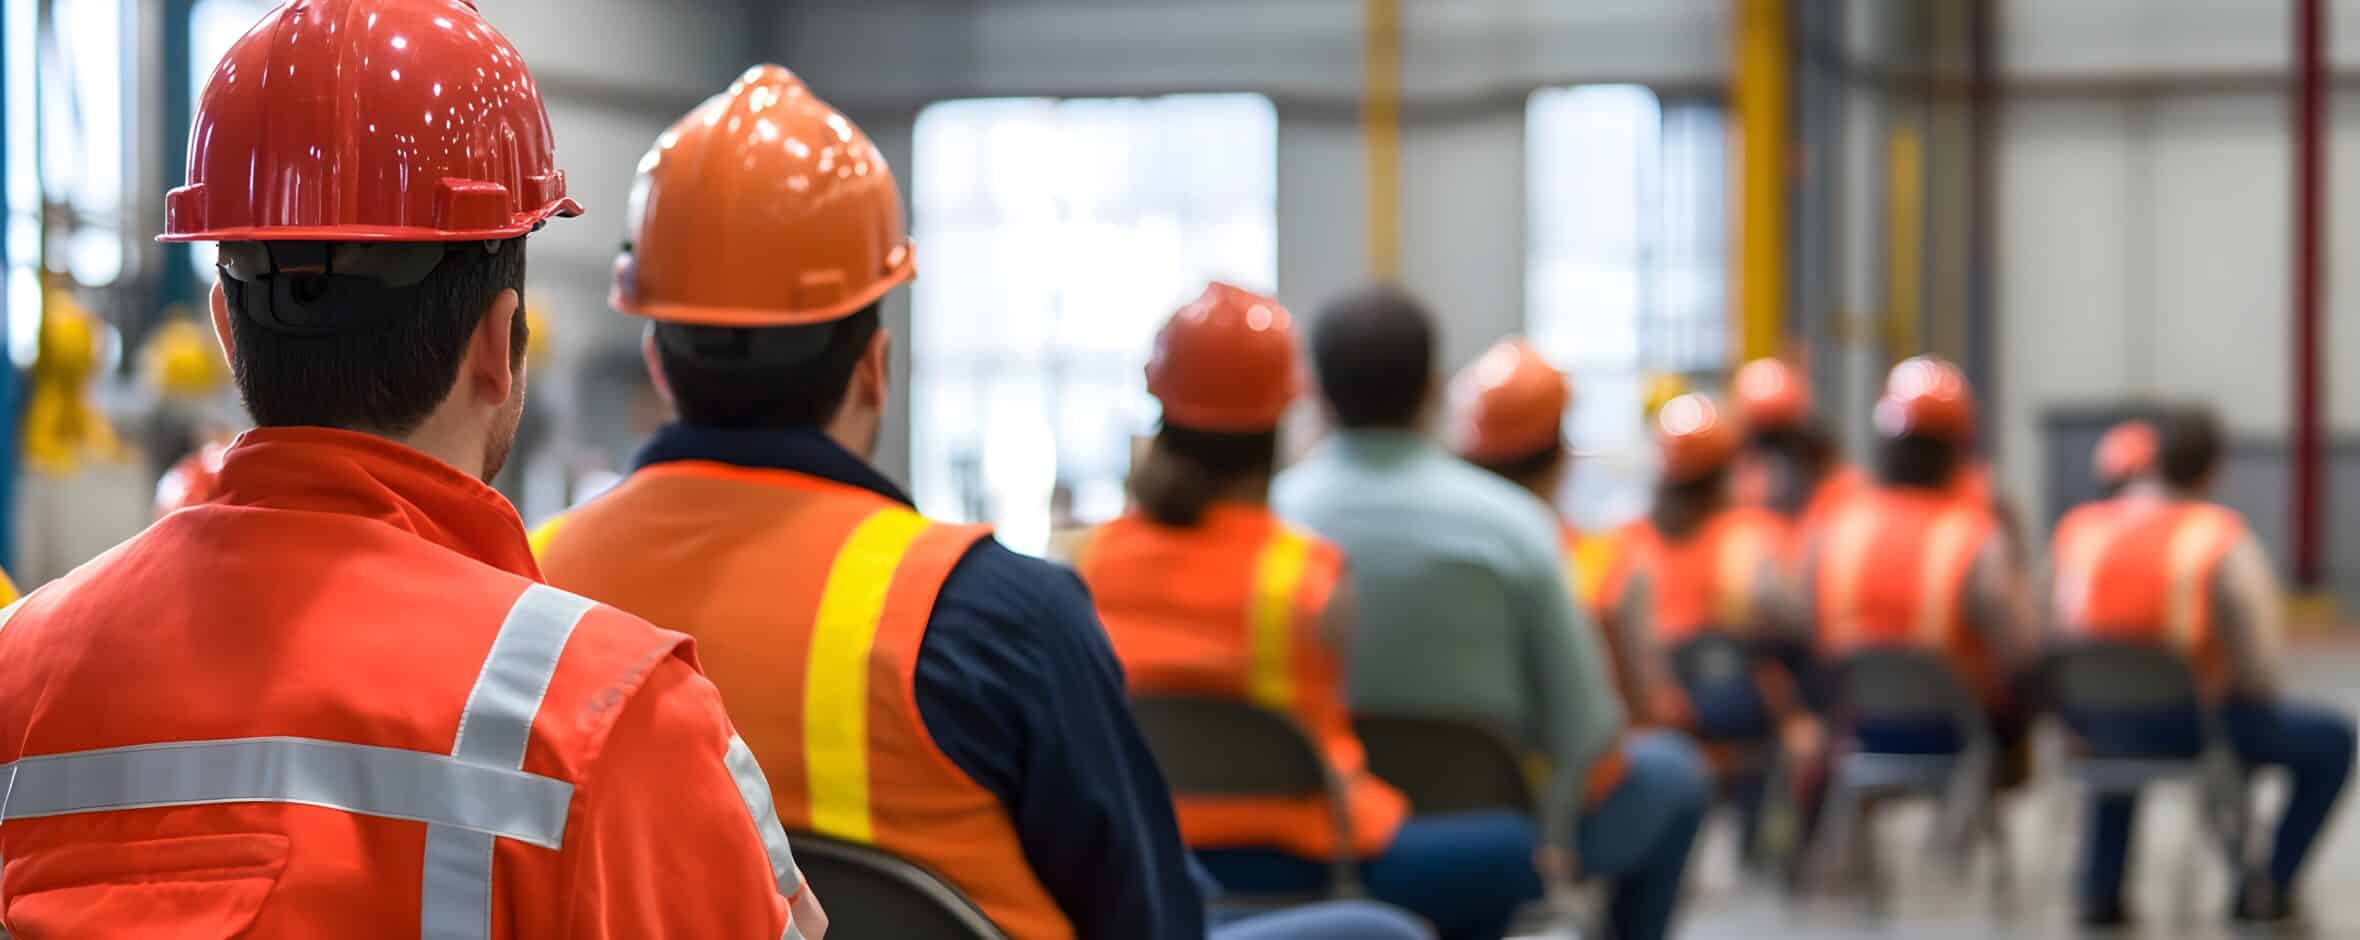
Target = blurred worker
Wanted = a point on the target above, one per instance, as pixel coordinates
(1465, 610)
(183, 364)
(1508, 417)
(1204, 591)
(1009, 765)
(1791, 466)
(1698, 564)
(1908, 562)
(334, 698)
(2163, 563)
(2125, 453)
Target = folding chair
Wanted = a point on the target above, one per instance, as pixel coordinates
(1220, 747)
(1445, 765)
(869, 892)
(2100, 679)
(1734, 724)
(1901, 686)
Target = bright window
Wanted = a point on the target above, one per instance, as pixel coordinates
(87, 73)
(1053, 239)
(23, 179)
(1625, 275)
(214, 26)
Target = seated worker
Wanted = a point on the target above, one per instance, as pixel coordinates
(1464, 609)
(1790, 465)
(1908, 562)
(2125, 453)
(907, 684)
(1508, 417)
(1203, 590)
(1699, 563)
(2164, 563)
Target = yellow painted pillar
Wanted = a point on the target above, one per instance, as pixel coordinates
(1380, 125)
(1761, 97)
(1905, 209)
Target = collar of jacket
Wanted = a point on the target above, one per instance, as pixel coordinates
(808, 451)
(352, 474)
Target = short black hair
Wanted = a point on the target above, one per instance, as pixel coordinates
(1918, 460)
(1526, 469)
(391, 369)
(1681, 506)
(763, 378)
(1187, 468)
(2189, 446)
(1374, 350)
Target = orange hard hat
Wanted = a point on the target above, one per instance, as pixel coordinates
(763, 207)
(369, 120)
(1927, 397)
(2127, 450)
(1771, 394)
(1696, 439)
(1508, 404)
(1226, 362)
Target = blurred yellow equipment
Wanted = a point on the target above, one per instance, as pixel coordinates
(537, 339)
(1661, 388)
(62, 426)
(183, 361)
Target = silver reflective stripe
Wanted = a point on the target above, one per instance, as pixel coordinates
(456, 884)
(755, 790)
(355, 778)
(793, 932)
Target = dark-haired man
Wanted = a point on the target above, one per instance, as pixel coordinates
(1466, 611)
(2162, 563)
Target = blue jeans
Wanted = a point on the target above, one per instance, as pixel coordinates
(1465, 872)
(1338, 920)
(2313, 744)
(1641, 835)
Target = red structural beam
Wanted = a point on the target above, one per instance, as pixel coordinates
(2310, 183)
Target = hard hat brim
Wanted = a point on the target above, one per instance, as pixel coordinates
(523, 225)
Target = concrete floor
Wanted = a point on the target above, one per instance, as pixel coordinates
(2179, 886)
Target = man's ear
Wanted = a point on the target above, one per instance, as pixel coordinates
(489, 369)
(655, 364)
(221, 329)
(874, 377)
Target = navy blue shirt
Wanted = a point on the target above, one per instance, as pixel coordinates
(1018, 686)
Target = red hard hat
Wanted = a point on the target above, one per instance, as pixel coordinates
(369, 120)
(1927, 397)
(1508, 404)
(1771, 394)
(763, 207)
(1226, 362)
(1695, 437)
(2126, 451)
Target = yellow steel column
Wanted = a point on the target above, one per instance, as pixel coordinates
(1760, 96)
(1380, 128)
(1905, 184)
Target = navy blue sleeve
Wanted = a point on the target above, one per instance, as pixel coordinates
(1019, 687)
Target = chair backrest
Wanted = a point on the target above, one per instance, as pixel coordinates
(1212, 746)
(872, 893)
(2102, 677)
(1445, 765)
(1717, 670)
(1905, 685)
(1713, 659)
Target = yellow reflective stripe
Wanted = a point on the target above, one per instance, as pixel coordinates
(1270, 681)
(1738, 561)
(2191, 545)
(1938, 597)
(836, 674)
(1846, 554)
(1592, 556)
(545, 533)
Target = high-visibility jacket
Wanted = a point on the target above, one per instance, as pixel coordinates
(1833, 490)
(1236, 606)
(2145, 570)
(335, 702)
(811, 599)
(1707, 580)
(1589, 557)
(1895, 570)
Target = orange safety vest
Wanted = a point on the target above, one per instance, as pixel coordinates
(1895, 569)
(1707, 579)
(1834, 489)
(2144, 570)
(331, 702)
(1588, 560)
(810, 599)
(1235, 606)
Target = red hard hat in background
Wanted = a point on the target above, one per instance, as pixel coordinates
(2126, 451)
(763, 207)
(1508, 404)
(1696, 439)
(1770, 395)
(1226, 363)
(369, 120)
(1927, 397)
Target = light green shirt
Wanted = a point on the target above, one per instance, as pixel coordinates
(1464, 608)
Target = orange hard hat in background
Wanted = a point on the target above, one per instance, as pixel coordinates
(763, 207)
(1927, 397)
(369, 120)
(1226, 362)
(2126, 451)
(1696, 439)
(1771, 395)
(1508, 404)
